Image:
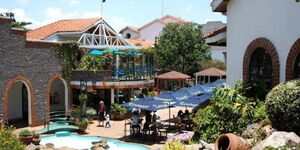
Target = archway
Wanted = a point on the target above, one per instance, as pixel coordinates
(259, 51)
(57, 94)
(18, 102)
(293, 62)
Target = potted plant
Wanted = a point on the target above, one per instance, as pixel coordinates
(82, 124)
(36, 138)
(25, 136)
(118, 111)
(90, 113)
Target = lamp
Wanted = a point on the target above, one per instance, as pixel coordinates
(83, 85)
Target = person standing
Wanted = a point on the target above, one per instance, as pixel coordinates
(101, 112)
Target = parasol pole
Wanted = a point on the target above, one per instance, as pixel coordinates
(169, 114)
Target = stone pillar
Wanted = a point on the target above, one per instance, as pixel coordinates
(117, 100)
(112, 96)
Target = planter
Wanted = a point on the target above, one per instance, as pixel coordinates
(36, 141)
(26, 139)
(231, 142)
(82, 128)
(118, 117)
(90, 118)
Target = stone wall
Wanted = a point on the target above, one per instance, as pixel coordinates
(34, 62)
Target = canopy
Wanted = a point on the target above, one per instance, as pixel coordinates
(182, 94)
(148, 103)
(219, 82)
(96, 52)
(194, 101)
(196, 90)
(166, 96)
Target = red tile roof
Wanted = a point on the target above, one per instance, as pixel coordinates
(211, 72)
(68, 25)
(144, 44)
(173, 75)
(215, 32)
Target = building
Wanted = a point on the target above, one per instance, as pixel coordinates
(151, 30)
(263, 40)
(31, 80)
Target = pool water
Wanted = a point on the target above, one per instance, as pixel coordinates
(61, 139)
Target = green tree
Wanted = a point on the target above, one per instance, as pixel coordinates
(212, 63)
(180, 46)
(15, 24)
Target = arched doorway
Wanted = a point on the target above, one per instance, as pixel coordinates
(18, 102)
(293, 62)
(260, 67)
(261, 63)
(57, 94)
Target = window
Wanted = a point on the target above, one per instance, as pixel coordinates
(128, 35)
(260, 67)
(296, 67)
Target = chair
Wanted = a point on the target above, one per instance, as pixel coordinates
(127, 127)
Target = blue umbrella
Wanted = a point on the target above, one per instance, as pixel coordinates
(182, 94)
(96, 52)
(166, 96)
(219, 82)
(196, 90)
(194, 101)
(208, 87)
(149, 104)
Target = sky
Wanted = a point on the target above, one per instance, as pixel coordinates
(117, 13)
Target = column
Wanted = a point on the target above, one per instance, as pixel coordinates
(112, 96)
(196, 79)
(117, 100)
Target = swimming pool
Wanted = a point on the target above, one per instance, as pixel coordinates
(61, 139)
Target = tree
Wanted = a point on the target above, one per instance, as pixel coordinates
(15, 24)
(212, 63)
(180, 46)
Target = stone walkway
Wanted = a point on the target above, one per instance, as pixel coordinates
(117, 130)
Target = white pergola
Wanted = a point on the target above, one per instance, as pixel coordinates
(104, 37)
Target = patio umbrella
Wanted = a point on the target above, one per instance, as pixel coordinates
(196, 90)
(148, 103)
(219, 82)
(166, 96)
(182, 94)
(96, 52)
(194, 101)
(132, 52)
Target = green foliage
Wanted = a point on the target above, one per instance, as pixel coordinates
(83, 122)
(285, 147)
(230, 112)
(25, 132)
(258, 89)
(283, 105)
(90, 112)
(35, 135)
(91, 62)
(212, 63)
(174, 145)
(180, 46)
(9, 141)
(15, 24)
(68, 52)
(83, 97)
(118, 109)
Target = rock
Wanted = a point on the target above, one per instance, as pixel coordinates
(278, 139)
(100, 144)
(96, 148)
(194, 147)
(32, 147)
(49, 145)
(65, 148)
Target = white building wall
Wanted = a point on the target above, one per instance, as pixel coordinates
(217, 53)
(15, 101)
(150, 32)
(276, 20)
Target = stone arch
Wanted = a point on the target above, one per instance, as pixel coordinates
(270, 48)
(50, 82)
(29, 87)
(290, 61)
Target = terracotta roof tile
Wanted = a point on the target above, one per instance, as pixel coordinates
(215, 32)
(144, 44)
(211, 72)
(173, 75)
(68, 25)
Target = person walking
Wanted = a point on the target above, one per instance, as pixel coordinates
(101, 112)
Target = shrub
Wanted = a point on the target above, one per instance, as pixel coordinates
(283, 106)
(118, 109)
(230, 112)
(90, 112)
(9, 141)
(174, 145)
(35, 135)
(83, 122)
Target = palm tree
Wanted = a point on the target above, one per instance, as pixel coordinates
(15, 24)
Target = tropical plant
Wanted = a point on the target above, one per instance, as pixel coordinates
(283, 105)
(35, 135)
(83, 122)
(9, 141)
(91, 63)
(118, 109)
(83, 100)
(90, 112)
(180, 46)
(15, 24)
(230, 112)
(68, 52)
(174, 145)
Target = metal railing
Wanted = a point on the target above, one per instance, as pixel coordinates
(55, 117)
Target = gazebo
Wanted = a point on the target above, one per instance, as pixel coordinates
(170, 77)
(209, 75)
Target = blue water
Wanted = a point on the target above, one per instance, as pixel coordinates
(85, 142)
